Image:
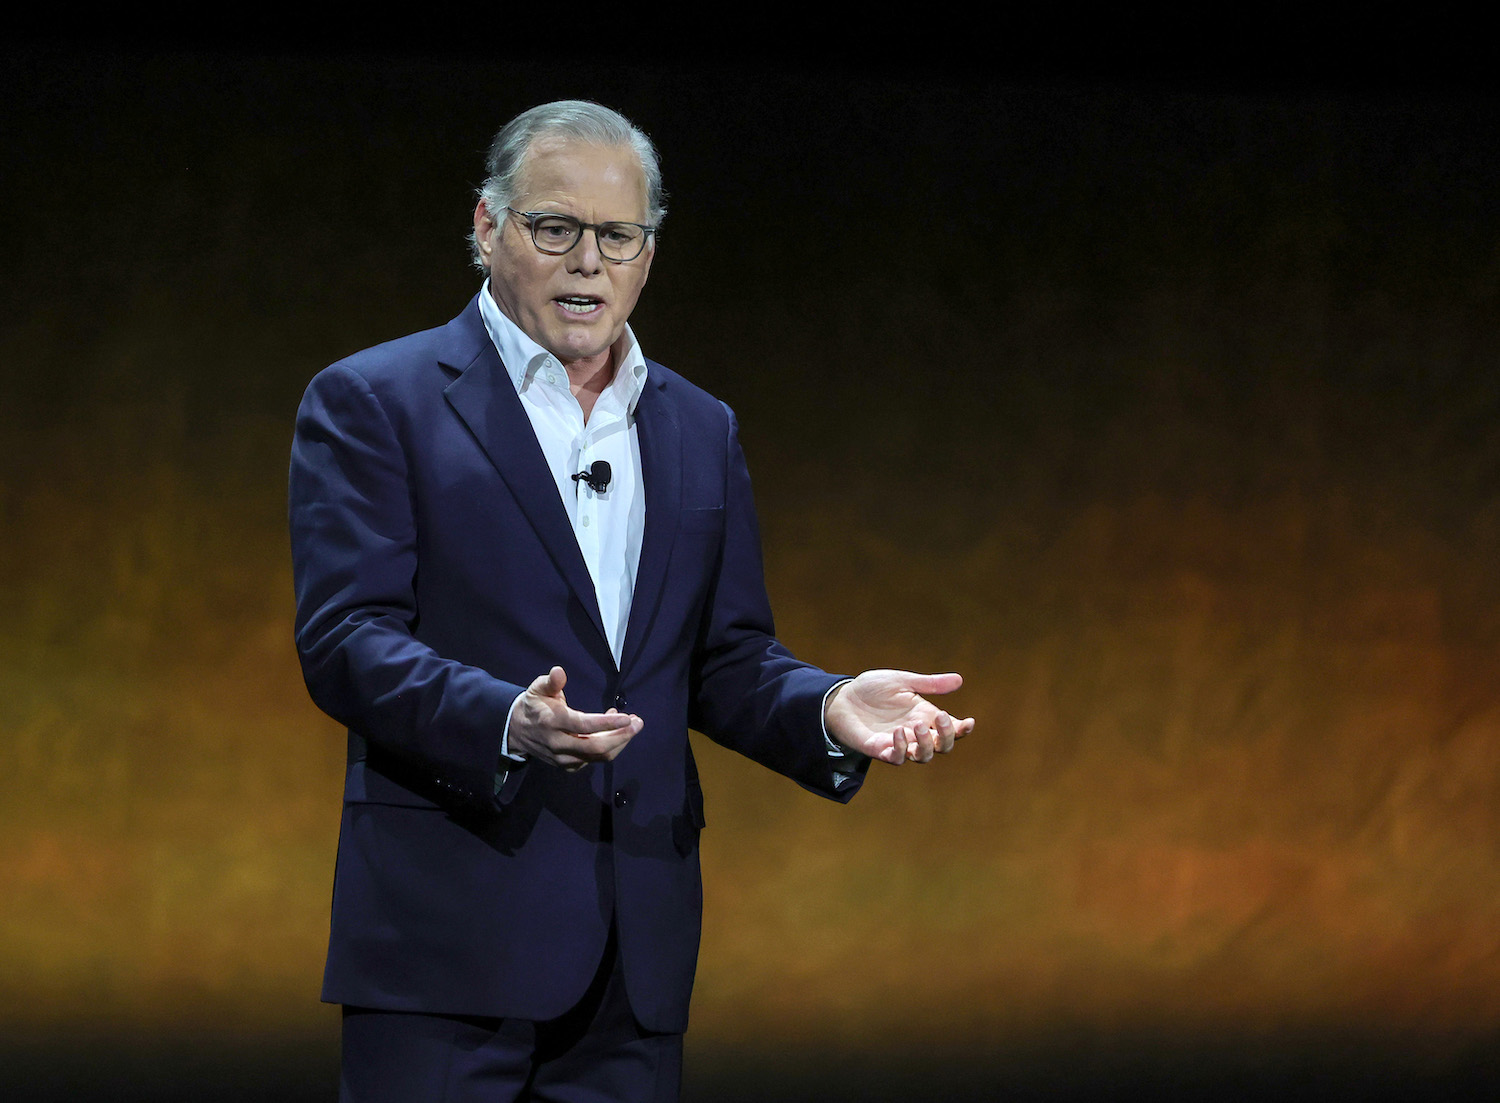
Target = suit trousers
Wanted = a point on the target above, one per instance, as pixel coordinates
(594, 1053)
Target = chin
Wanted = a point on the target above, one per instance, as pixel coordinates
(571, 350)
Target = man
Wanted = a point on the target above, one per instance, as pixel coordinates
(526, 562)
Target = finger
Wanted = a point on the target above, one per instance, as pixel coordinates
(610, 746)
(593, 723)
(615, 738)
(604, 746)
(963, 727)
(899, 742)
(925, 740)
(946, 733)
(572, 752)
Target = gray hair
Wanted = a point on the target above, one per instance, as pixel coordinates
(580, 119)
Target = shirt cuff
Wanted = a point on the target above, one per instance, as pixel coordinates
(510, 761)
(840, 754)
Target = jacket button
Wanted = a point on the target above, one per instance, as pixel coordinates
(622, 798)
(620, 701)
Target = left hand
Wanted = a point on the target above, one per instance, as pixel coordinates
(883, 714)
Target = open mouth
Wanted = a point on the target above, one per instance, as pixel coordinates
(578, 304)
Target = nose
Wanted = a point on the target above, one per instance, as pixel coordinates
(585, 257)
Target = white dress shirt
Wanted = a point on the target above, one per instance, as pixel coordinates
(608, 525)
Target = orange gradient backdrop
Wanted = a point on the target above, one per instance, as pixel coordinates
(1168, 417)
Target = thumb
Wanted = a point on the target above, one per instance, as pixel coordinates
(933, 683)
(550, 684)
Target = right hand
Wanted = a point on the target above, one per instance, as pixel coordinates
(544, 728)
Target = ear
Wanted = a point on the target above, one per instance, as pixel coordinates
(484, 230)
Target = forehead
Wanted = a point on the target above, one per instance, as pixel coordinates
(606, 180)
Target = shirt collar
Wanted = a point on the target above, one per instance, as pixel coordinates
(523, 357)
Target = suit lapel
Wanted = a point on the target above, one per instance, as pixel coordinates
(485, 398)
(660, 439)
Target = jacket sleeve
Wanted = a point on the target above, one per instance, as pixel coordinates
(749, 692)
(354, 559)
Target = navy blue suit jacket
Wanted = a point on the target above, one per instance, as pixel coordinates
(437, 575)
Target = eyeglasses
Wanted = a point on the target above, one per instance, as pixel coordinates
(558, 233)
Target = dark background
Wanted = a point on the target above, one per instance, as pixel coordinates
(1160, 399)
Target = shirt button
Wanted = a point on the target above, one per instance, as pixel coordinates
(622, 798)
(585, 521)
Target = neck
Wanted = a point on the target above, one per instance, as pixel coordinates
(588, 378)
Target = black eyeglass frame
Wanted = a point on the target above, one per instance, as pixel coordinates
(532, 217)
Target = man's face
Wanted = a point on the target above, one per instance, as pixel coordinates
(575, 305)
